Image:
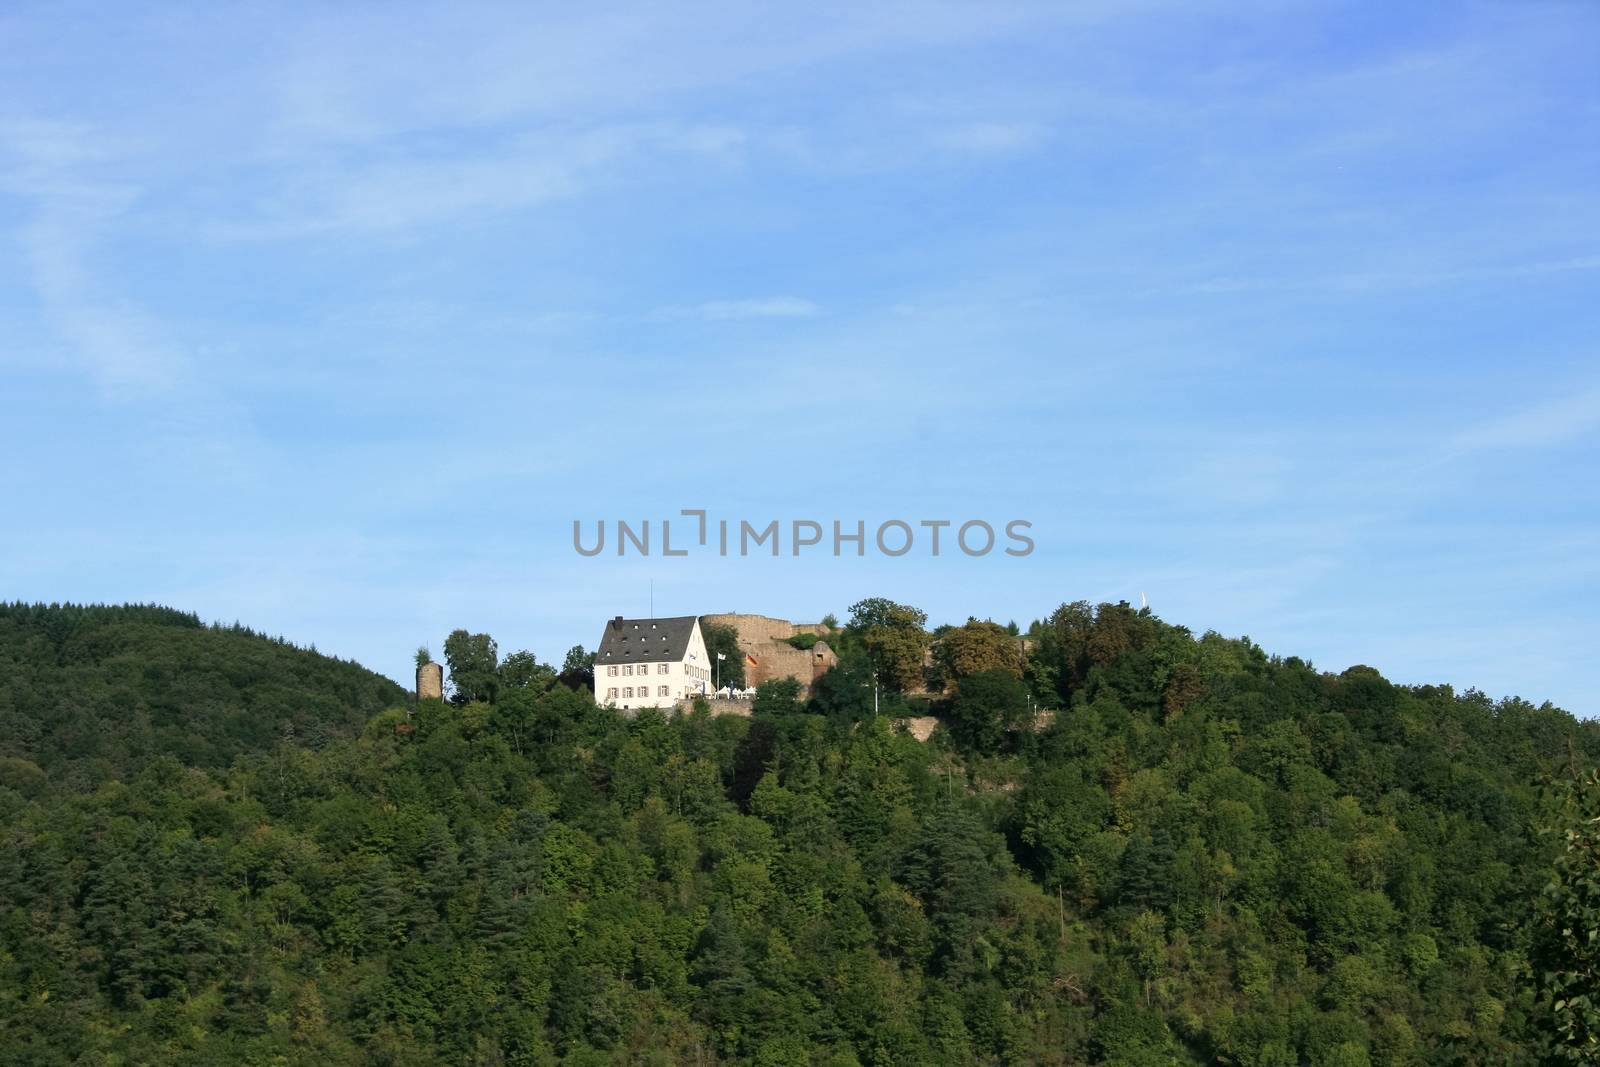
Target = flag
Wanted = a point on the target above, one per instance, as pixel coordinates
(721, 656)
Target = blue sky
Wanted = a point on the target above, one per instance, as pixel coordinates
(332, 318)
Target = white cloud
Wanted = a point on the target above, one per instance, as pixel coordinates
(989, 138)
(772, 307)
(405, 186)
(1550, 422)
(55, 166)
(1381, 281)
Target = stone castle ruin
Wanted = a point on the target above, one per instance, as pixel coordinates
(768, 655)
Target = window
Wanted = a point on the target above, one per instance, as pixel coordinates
(627, 691)
(628, 670)
(661, 668)
(612, 670)
(611, 694)
(661, 691)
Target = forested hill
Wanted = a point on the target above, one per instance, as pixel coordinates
(91, 692)
(1201, 855)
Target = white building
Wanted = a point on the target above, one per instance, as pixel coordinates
(651, 663)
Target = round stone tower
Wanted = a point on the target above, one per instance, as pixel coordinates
(430, 681)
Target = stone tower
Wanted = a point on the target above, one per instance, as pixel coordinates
(430, 681)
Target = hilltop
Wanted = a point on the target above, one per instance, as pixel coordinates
(93, 692)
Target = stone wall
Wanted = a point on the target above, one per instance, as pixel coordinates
(753, 629)
(782, 660)
(765, 640)
(921, 727)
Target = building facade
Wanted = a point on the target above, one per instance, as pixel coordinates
(651, 663)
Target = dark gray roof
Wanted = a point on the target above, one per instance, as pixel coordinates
(645, 640)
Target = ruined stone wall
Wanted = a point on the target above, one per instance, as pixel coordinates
(778, 659)
(754, 630)
(765, 639)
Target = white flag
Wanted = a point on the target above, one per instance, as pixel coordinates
(721, 656)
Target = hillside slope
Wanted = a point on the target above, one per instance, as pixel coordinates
(95, 692)
(1209, 856)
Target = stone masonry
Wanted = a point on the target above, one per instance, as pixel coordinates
(768, 654)
(430, 682)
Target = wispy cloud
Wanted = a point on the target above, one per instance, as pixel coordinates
(407, 185)
(1378, 281)
(771, 307)
(989, 138)
(55, 167)
(1543, 424)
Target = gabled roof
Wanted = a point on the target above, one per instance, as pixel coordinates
(645, 640)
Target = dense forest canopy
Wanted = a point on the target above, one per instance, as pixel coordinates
(94, 692)
(1127, 845)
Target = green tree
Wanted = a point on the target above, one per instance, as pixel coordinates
(780, 696)
(474, 667)
(845, 692)
(724, 639)
(577, 668)
(989, 709)
(1568, 953)
(975, 647)
(522, 670)
(895, 637)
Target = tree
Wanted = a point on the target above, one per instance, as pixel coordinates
(423, 656)
(725, 639)
(521, 670)
(1147, 949)
(975, 647)
(474, 667)
(989, 707)
(894, 636)
(1568, 952)
(577, 669)
(1058, 814)
(952, 868)
(1078, 637)
(780, 696)
(515, 715)
(845, 692)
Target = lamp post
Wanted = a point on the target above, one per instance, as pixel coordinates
(874, 694)
(720, 658)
